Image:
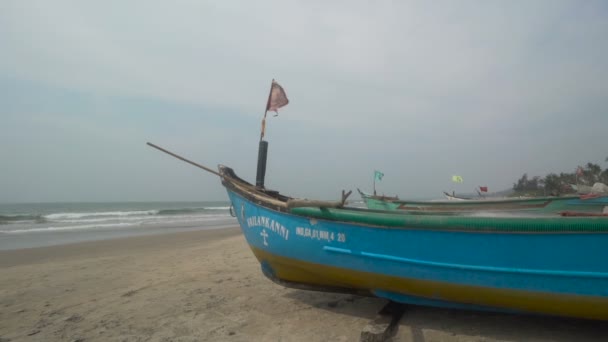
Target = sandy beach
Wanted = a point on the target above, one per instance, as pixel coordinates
(207, 286)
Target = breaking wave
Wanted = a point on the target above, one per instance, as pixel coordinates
(5, 219)
(37, 220)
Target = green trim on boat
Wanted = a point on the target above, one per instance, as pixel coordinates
(454, 222)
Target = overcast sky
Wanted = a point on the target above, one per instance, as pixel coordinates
(419, 90)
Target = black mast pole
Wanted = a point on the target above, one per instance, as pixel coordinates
(374, 182)
(263, 148)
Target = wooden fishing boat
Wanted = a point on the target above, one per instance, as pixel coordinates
(543, 265)
(548, 205)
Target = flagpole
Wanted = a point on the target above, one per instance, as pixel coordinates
(263, 147)
(266, 112)
(374, 182)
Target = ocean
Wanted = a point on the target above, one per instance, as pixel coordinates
(46, 224)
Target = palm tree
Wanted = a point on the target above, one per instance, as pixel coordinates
(592, 172)
(552, 183)
(604, 177)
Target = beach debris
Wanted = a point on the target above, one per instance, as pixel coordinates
(75, 318)
(33, 332)
(134, 291)
(333, 304)
(384, 326)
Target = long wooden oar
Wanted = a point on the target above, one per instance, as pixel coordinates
(184, 159)
(291, 203)
(244, 187)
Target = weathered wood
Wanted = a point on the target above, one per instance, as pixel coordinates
(184, 159)
(345, 196)
(257, 194)
(297, 202)
(384, 326)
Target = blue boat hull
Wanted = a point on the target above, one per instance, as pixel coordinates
(556, 273)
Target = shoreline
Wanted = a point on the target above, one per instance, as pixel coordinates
(206, 285)
(45, 224)
(22, 256)
(36, 239)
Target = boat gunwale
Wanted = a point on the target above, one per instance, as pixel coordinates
(385, 219)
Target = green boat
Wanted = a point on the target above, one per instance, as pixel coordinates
(548, 205)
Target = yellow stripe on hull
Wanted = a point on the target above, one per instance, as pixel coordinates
(292, 270)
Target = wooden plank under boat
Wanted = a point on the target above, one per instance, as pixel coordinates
(543, 265)
(596, 204)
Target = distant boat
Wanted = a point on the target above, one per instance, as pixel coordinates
(536, 204)
(598, 188)
(580, 188)
(481, 196)
(453, 197)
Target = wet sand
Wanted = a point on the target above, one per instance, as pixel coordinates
(207, 286)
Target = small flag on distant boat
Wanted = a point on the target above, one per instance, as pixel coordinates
(277, 98)
(378, 175)
(483, 188)
(457, 179)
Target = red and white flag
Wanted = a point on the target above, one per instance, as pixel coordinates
(483, 188)
(277, 98)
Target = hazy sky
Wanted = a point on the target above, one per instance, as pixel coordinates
(419, 90)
